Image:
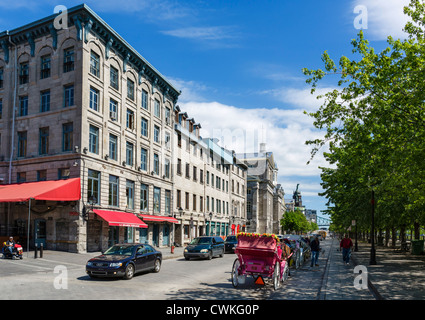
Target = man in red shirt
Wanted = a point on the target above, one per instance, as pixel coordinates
(346, 245)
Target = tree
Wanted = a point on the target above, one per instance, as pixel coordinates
(375, 129)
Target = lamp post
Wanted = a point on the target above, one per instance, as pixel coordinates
(372, 235)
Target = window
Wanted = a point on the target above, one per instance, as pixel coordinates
(187, 170)
(179, 199)
(208, 203)
(201, 203)
(167, 202)
(93, 185)
(113, 197)
(145, 99)
(194, 203)
(114, 78)
(156, 200)
(1, 77)
(144, 127)
(179, 166)
(187, 200)
(130, 89)
(24, 73)
(41, 175)
(21, 177)
(67, 136)
(195, 171)
(179, 140)
(156, 164)
(23, 106)
(69, 95)
(94, 99)
(113, 110)
(130, 119)
(129, 192)
(144, 159)
(113, 142)
(167, 168)
(167, 116)
(63, 173)
(68, 60)
(156, 134)
(94, 139)
(129, 153)
(45, 67)
(144, 197)
(95, 64)
(167, 140)
(157, 109)
(45, 101)
(22, 144)
(201, 176)
(44, 141)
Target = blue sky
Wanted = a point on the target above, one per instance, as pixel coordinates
(238, 63)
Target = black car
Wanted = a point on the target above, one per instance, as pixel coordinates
(125, 260)
(230, 244)
(204, 247)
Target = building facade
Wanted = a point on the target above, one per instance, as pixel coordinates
(81, 102)
(264, 197)
(205, 179)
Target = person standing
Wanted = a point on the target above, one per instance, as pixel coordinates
(315, 248)
(346, 244)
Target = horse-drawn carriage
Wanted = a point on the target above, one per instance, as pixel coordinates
(260, 256)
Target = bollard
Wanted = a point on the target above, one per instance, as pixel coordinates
(35, 251)
(41, 250)
(172, 249)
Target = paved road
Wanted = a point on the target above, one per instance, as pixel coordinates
(178, 280)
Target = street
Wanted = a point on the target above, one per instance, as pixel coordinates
(60, 275)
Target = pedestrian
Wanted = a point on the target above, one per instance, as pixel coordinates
(346, 244)
(10, 244)
(315, 248)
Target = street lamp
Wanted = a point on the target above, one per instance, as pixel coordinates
(92, 201)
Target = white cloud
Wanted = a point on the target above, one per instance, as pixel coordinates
(203, 33)
(385, 17)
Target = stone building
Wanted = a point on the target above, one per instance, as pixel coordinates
(264, 197)
(205, 180)
(80, 102)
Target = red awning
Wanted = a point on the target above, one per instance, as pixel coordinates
(121, 219)
(57, 190)
(150, 217)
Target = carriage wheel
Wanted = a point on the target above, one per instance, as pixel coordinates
(276, 276)
(285, 274)
(235, 273)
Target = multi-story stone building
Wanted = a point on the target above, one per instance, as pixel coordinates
(205, 179)
(80, 102)
(264, 197)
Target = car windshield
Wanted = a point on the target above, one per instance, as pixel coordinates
(231, 238)
(119, 250)
(201, 241)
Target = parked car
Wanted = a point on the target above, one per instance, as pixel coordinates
(230, 244)
(204, 247)
(125, 260)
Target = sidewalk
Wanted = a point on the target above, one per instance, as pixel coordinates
(396, 276)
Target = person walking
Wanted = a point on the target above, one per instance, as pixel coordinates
(346, 244)
(315, 248)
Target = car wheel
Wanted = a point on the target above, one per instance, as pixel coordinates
(129, 272)
(157, 266)
(210, 255)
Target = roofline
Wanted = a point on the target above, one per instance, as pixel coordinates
(84, 7)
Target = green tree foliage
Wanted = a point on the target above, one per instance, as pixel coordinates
(296, 221)
(375, 129)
